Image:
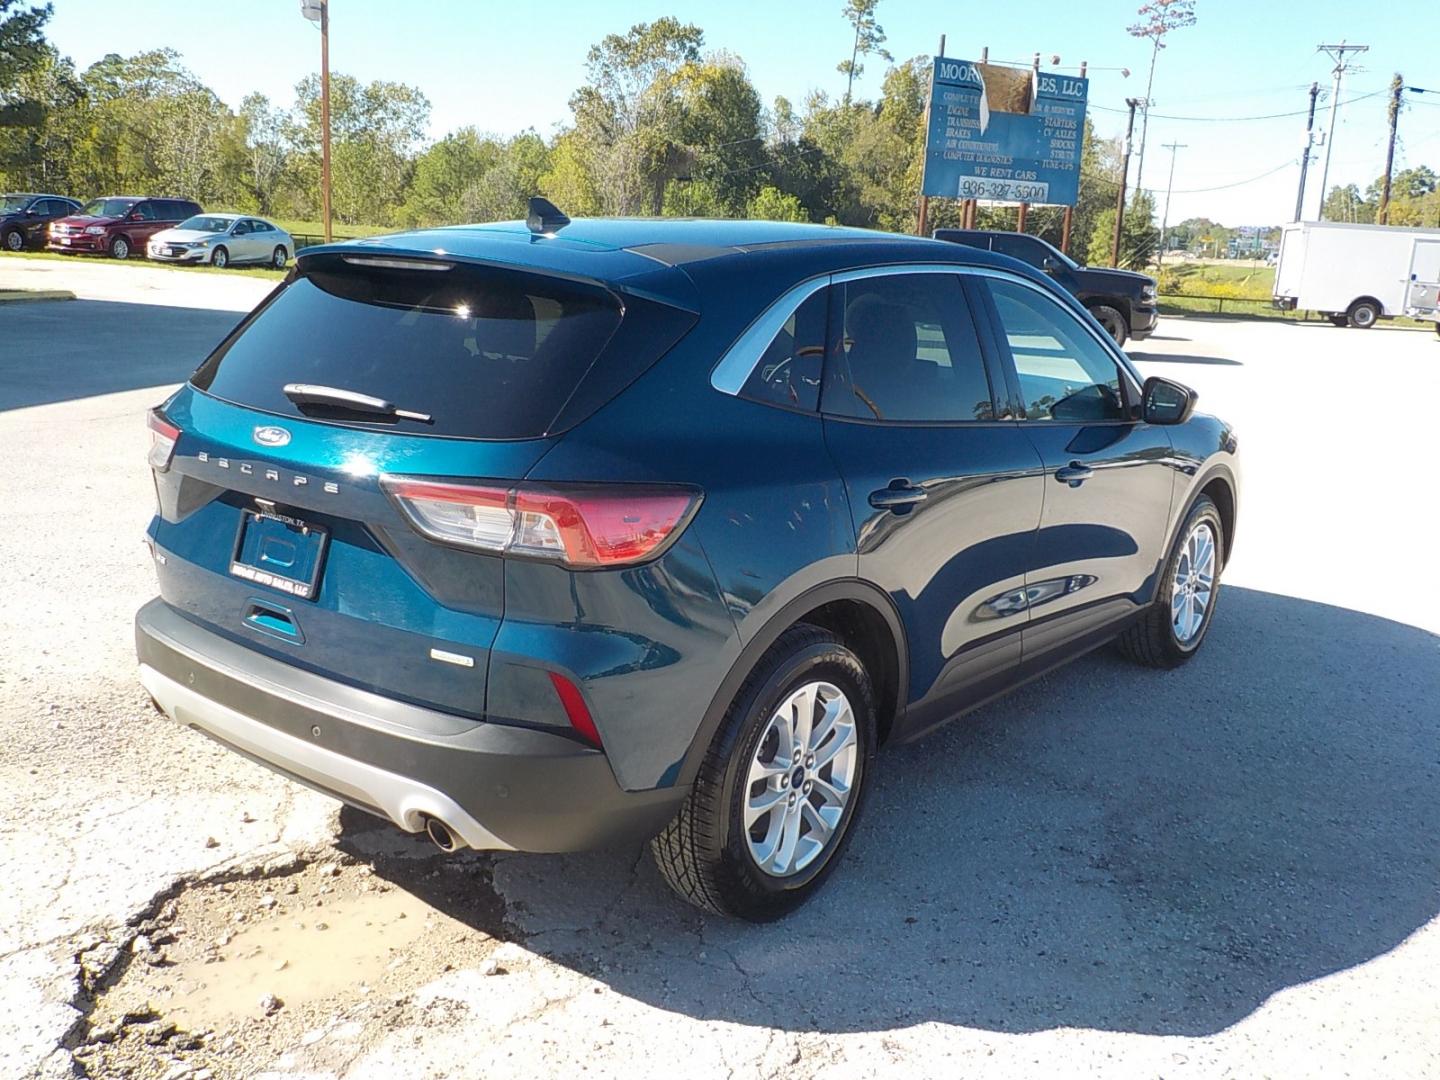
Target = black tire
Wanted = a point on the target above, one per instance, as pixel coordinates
(1338, 318)
(704, 852)
(1113, 321)
(220, 258)
(14, 240)
(120, 248)
(279, 257)
(1363, 314)
(1151, 639)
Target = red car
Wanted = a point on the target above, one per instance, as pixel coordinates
(117, 225)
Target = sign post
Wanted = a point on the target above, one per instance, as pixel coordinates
(1009, 135)
(318, 11)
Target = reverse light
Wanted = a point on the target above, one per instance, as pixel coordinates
(584, 528)
(163, 436)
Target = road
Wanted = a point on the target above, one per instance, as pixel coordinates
(1229, 868)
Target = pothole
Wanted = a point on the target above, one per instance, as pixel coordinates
(231, 975)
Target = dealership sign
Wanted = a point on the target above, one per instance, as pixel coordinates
(1004, 134)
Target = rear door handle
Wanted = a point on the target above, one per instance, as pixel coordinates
(899, 496)
(1074, 474)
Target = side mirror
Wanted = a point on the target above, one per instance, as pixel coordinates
(135, 217)
(1050, 264)
(1164, 401)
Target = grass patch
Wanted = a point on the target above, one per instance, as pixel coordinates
(13, 295)
(54, 256)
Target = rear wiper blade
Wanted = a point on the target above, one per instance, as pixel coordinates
(310, 394)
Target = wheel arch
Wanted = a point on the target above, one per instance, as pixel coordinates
(1367, 299)
(858, 613)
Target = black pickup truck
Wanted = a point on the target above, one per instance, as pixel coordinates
(1121, 301)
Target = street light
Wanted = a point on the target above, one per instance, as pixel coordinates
(318, 11)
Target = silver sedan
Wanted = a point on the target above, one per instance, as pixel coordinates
(222, 239)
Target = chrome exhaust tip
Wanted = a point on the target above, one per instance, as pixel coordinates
(442, 836)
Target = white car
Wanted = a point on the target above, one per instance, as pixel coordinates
(222, 239)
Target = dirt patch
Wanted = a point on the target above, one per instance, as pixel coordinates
(229, 976)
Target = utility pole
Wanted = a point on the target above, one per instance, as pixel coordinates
(318, 11)
(1336, 53)
(1169, 186)
(1382, 216)
(1134, 103)
(1069, 220)
(1305, 154)
(922, 220)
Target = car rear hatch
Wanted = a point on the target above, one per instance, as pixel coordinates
(279, 521)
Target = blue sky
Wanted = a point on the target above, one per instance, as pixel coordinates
(504, 67)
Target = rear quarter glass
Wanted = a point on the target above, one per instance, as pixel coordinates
(487, 353)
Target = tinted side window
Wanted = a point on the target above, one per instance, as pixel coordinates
(1065, 374)
(904, 348)
(789, 371)
(1021, 247)
(257, 226)
(145, 211)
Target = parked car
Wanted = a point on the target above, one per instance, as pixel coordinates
(1122, 302)
(220, 239)
(25, 217)
(555, 536)
(118, 226)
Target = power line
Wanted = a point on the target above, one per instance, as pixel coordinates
(1196, 191)
(1243, 119)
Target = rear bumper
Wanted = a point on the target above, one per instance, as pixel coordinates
(498, 787)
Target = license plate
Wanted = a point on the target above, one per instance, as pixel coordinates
(280, 552)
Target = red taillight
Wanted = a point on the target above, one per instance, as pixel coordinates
(576, 709)
(582, 527)
(163, 436)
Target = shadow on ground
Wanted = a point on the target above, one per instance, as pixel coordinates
(1111, 847)
(107, 347)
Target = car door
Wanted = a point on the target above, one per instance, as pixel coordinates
(944, 488)
(36, 220)
(263, 239)
(239, 241)
(141, 224)
(1109, 476)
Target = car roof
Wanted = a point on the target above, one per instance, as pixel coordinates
(658, 255)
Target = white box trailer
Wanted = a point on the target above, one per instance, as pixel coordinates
(1357, 274)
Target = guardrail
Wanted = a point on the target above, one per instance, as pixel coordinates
(1218, 301)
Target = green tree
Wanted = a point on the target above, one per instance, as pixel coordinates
(869, 41)
(772, 204)
(375, 129)
(1139, 237)
(1347, 204)
(264, 151)
(22, 51)
(444, 173)
(625, 112)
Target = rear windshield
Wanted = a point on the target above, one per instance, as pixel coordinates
(486, 354)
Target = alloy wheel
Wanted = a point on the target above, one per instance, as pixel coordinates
(1193, 588)
(14, 241)
(801, 779)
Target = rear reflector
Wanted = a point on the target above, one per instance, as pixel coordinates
(584, 528)
(163, 436)
(576, 709)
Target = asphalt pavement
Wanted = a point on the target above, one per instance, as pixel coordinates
(1232, 868)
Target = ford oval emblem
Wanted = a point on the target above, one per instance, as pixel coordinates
(271, 436)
